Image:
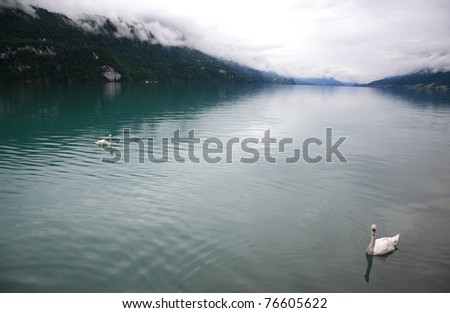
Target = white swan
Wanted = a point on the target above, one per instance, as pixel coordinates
(381, 246)
(105, 142)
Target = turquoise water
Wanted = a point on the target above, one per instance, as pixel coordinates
(71, 223)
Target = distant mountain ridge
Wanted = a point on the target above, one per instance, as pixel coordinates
(418, 80)
(46, 46)
(320, 81)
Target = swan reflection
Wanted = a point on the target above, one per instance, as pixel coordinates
(369, 259)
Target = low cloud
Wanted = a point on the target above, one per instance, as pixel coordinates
(152, 31)
(349, 40)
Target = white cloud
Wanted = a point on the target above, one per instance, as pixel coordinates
(349, 40)
(144, 31)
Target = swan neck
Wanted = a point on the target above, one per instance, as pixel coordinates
(371, 246)
(372, 240)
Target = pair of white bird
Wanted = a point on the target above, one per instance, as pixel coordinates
(381, 246)
(105, 142)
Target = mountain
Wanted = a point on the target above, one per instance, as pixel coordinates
(38, 45)
(275, 78)
(418, 80)
(320, 81)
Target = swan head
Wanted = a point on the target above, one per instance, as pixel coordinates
(374, 228)
(109, 136)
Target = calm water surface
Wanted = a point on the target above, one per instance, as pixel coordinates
(70, 223)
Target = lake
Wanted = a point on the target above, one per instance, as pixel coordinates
(70, 222)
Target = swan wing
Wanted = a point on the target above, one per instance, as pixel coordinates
(103, 142)
(394, 240)
(385, 245)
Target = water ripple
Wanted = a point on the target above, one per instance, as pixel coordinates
(70, 223)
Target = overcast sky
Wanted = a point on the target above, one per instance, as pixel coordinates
(349, 40)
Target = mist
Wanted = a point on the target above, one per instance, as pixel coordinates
(352, 41)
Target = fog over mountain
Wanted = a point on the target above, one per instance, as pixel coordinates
(349, 40)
